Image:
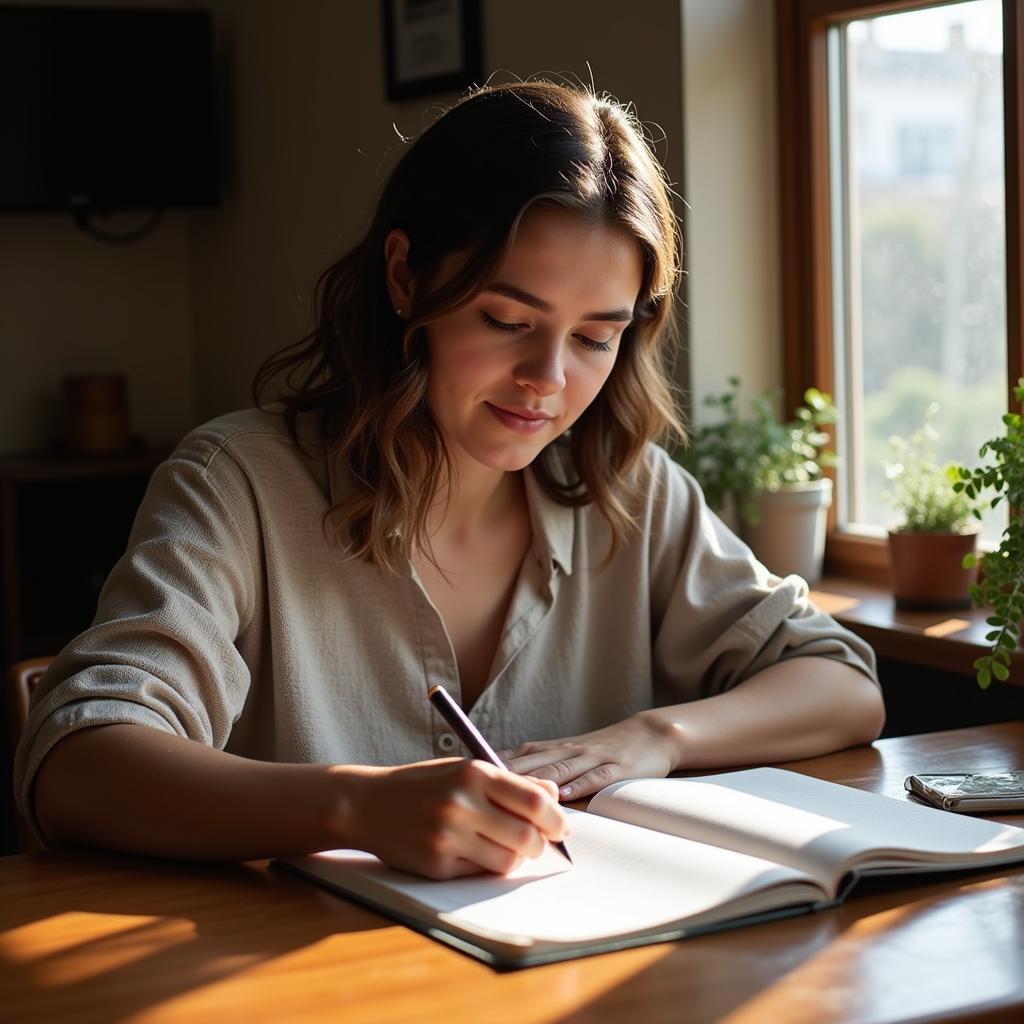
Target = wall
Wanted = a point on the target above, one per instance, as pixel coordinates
(731, 228)
(314, 141)
(190, 312)
(309, 134)
(69, 304)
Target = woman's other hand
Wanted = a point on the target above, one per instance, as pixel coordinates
(639, 747)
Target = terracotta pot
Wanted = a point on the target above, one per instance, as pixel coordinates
(790, 535)
(927, 569)
(97, 413)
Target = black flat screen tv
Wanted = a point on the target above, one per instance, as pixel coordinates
(106, 109)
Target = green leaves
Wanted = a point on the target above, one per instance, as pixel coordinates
(929, 497)
(738, 456)
(1002, 586)
(983, 670)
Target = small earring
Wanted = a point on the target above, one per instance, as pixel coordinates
(399, 311)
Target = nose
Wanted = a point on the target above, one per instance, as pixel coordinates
(541, 368)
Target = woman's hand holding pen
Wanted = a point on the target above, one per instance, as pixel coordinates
(639, 747)
(452, 817)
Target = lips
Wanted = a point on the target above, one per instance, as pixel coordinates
(520, 420)
(523, 414)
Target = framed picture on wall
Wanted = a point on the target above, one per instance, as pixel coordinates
(431, 46)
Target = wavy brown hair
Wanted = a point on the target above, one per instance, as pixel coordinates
(463, 187)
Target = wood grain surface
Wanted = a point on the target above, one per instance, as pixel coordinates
(946, 640)
(88, 936)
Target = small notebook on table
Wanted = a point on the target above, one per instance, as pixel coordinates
(660, 859)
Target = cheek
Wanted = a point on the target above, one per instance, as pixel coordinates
(590, 378)
(461, 364)
(463, 356)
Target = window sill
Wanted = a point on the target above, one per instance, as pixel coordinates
(946, 640)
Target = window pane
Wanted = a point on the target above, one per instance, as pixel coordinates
(917, 120)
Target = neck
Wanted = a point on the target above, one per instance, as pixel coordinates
(479, 497)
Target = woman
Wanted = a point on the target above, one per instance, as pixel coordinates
(459, 488)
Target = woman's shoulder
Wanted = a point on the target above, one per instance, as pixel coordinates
(203, 442)
(257, 443)
(246, 432)
(658, 477)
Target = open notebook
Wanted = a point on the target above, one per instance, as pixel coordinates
(657, 859)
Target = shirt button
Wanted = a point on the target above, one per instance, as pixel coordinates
(446, 741)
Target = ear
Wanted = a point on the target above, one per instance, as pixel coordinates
(400, 281)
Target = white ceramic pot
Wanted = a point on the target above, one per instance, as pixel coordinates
(790, 536)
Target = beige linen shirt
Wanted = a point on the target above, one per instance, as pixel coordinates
(235, 620)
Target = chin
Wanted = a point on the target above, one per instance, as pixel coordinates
(510, 460)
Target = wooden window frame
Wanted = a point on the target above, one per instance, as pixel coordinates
(805, 223)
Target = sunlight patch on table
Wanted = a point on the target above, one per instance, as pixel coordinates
(947, 627)
(878, 960)
(832, 604)
(74, 946)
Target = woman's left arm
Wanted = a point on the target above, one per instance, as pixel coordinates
(796, 708)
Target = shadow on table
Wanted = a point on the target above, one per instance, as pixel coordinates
(898, 949)
(170, 928)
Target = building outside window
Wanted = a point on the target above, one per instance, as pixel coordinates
(918, 135)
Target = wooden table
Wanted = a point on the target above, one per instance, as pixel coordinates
(98, 937)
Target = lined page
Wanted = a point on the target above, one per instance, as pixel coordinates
(819, 827)
(623, 880)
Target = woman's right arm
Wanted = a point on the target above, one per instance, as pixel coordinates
(124, 746)
(143, 790)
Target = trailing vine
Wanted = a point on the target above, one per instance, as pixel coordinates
(1002, 584)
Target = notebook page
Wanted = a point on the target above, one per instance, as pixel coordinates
(623, 880)
(819, 827)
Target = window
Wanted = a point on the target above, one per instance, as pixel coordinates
(923, 150)
(901, 213)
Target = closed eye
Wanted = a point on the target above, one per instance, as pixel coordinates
(594, 346)
(501, 325)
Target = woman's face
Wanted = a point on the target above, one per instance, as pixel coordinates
(515, 368)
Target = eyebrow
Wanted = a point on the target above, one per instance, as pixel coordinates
(512, 292)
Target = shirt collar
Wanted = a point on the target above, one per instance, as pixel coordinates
(552, 523)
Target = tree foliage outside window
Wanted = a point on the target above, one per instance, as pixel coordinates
(925, 238)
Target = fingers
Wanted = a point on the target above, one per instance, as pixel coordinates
(528, 756)
(489, 820)
(530, 762)
(475, 855)
(591, 782)
(533, 801)
(559, 765)
(479, 853)
(506, 843)
(448, 818)
(576, 774)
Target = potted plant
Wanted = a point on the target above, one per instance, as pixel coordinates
(1002, 584)
(767, 475)
(936, 529)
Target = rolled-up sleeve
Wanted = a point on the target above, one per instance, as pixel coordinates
(161, 651)
(719, 615)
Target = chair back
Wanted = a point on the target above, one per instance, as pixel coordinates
(22, 678)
